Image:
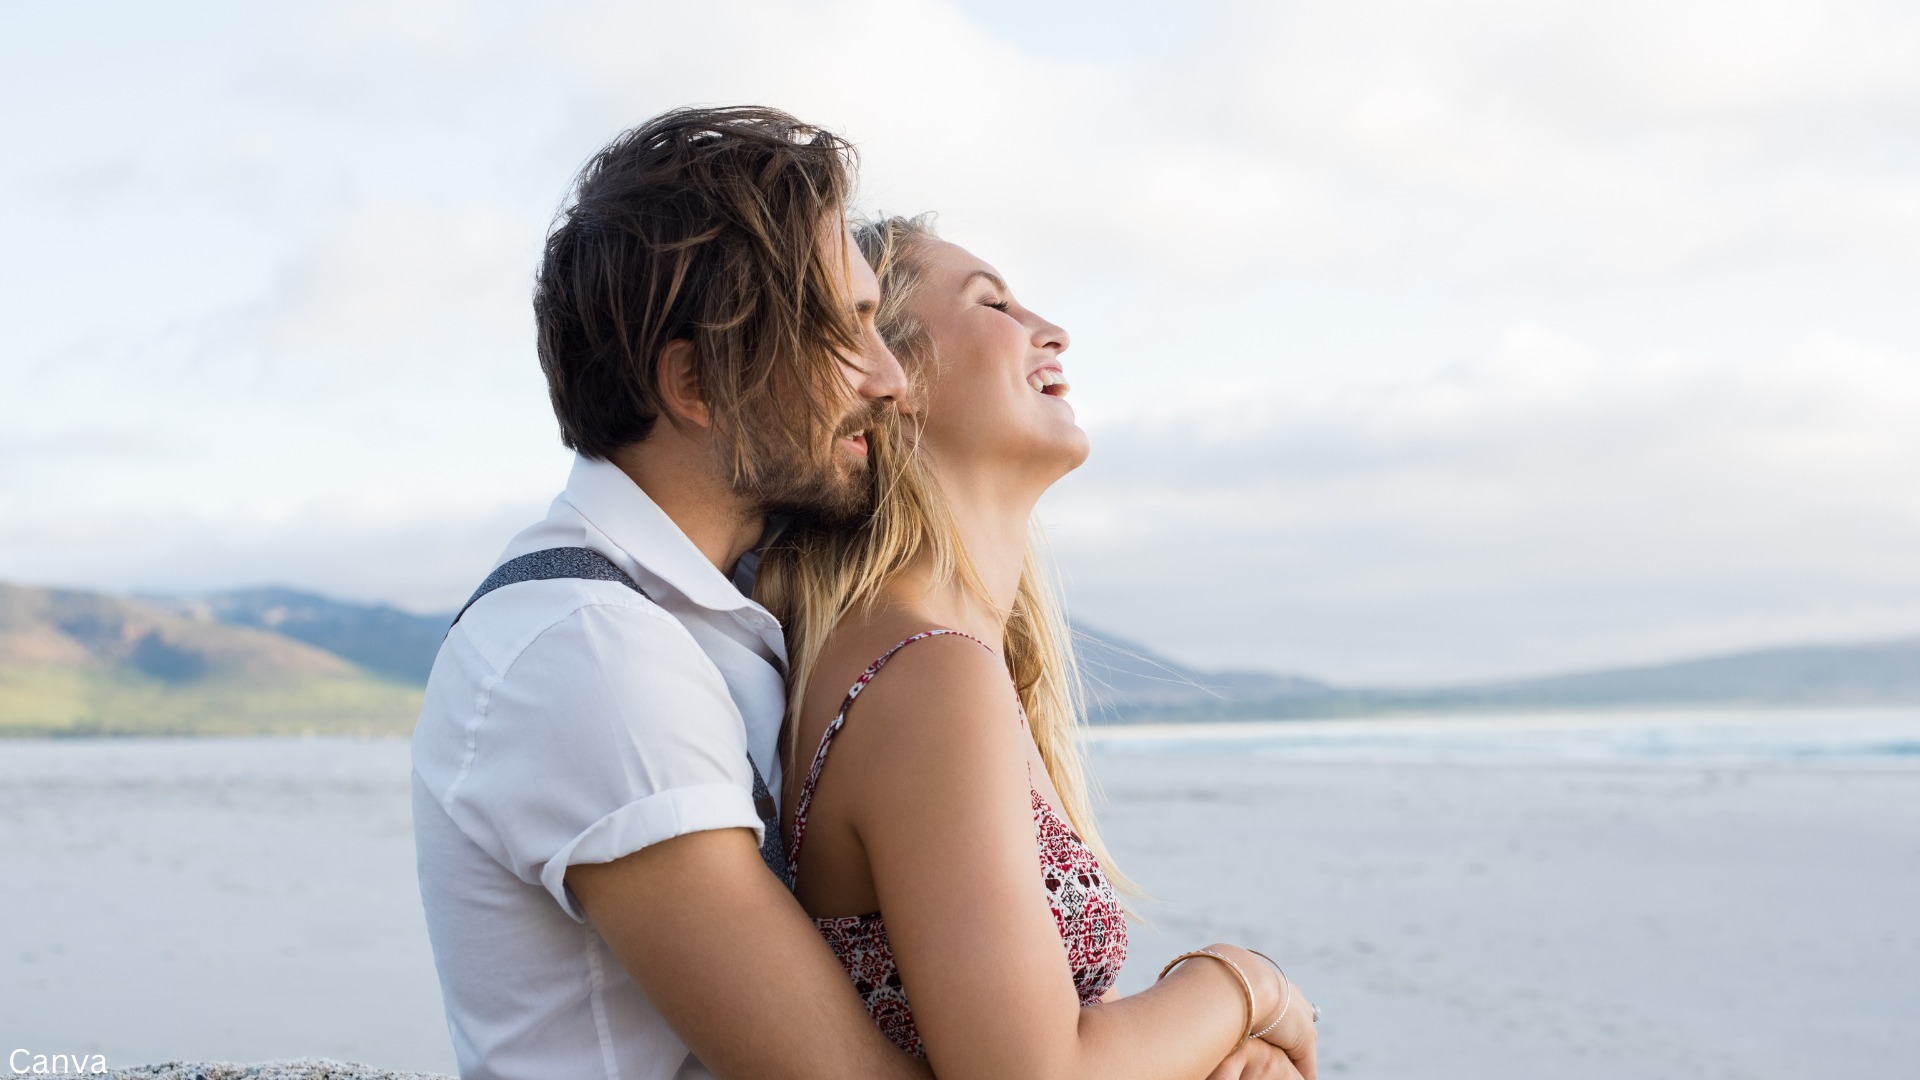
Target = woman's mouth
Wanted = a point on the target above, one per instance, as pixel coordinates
(1049, 381)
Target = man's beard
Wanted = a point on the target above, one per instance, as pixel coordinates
(823, 484)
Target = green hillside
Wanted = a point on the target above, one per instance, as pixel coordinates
(80, 663)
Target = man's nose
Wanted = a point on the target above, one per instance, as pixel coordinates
(883, 378)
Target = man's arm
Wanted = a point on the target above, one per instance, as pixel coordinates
(733, 963)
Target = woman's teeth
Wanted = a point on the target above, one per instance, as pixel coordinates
(1050, 382)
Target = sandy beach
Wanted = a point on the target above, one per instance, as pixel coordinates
(1674, 896)
(1543, 907)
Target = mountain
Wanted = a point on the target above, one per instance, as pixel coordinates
(1872, 673)
(385, 640)
(1868, 673)
(74, 662)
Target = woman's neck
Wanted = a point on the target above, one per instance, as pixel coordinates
(992, 530)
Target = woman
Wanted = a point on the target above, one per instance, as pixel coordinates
(913, 818)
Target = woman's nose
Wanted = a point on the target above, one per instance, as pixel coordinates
(1048, 336)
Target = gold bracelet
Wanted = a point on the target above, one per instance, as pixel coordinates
(1286, 986)
(1245, 985)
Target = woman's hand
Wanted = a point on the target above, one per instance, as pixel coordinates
(1293, 1035)
(1256, 1059)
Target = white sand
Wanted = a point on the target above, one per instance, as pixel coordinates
(214, 900)
(1616, 897)
(1508, 918)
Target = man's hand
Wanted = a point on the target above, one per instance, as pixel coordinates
(736, 967)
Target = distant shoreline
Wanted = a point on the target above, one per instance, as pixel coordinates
(1623, 718)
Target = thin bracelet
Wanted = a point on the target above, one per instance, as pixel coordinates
(1286, 985)
(1245, 985)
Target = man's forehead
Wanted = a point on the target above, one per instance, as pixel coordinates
(862, 284)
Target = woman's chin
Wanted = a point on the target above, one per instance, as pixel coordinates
(1066, 451)
(1080, 458)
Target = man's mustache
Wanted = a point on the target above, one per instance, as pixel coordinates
(866, 419)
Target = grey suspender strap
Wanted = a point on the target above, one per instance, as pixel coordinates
(565, 562)
(590, 565)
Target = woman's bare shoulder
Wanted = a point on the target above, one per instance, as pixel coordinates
(939, 693)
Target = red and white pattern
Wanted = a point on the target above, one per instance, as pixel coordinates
(1092, 926)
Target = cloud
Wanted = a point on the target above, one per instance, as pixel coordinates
(1631, 139)
(1542, 506)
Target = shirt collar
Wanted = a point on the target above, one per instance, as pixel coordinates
(610, 500)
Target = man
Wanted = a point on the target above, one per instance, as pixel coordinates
(593, 763)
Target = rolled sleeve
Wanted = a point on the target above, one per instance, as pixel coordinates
(661, 816)
(607, 731)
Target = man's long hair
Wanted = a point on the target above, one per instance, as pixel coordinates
(705, 225)
(815, 574)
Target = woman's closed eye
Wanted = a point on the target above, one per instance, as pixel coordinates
(997, 305)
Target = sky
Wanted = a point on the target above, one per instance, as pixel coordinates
(1418, 341)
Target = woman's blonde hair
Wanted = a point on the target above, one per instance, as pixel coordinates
(814, 576)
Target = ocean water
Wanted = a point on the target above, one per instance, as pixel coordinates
(1657, 895)
(1880, 737)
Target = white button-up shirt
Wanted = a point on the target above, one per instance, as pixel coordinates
(570, 722)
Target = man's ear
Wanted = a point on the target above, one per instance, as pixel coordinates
(679, 385)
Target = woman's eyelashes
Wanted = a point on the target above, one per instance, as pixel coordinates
(997, 305)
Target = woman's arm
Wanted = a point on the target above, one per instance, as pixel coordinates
(933, 765)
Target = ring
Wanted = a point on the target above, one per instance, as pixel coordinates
(1316, 1014)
